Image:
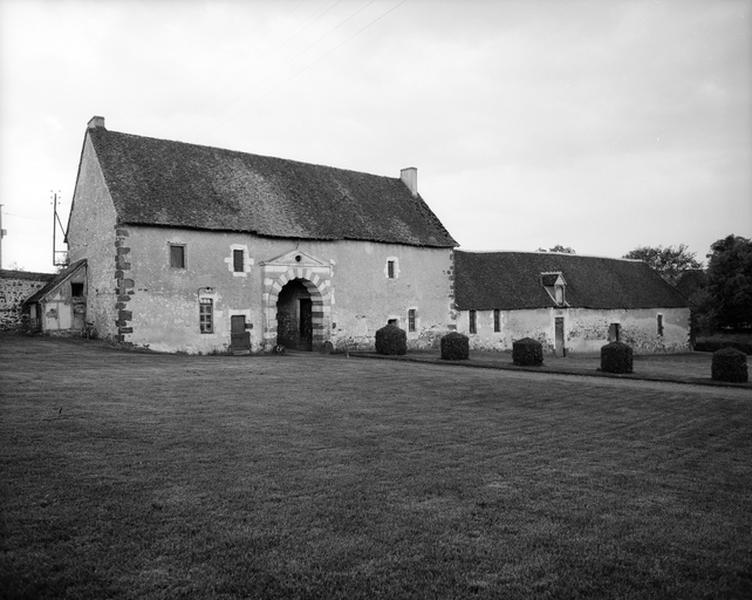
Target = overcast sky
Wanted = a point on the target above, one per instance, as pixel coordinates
(600, 125)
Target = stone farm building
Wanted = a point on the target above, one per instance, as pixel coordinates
(567, 302)
(192, 248)
(181, 247)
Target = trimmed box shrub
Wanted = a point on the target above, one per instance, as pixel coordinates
(616, 357)
(527, 352)
(390, 339)
(455, 346)
(729, 364)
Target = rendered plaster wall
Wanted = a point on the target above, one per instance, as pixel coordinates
(358, 296)
(92, 235)
(585, 330)
(514, 325)
(15, 287)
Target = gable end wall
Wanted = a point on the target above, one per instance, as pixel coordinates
(92, 235)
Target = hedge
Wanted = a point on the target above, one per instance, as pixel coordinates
(729, 364)
(390, 339)
(455, 346)
(616, 357)
(527, 352)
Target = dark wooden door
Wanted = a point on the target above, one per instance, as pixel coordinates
(306, 324)
(559, 335)
(240, 339)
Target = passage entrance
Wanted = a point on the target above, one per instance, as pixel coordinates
(295, 316)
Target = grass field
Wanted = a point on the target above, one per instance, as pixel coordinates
(131, 475)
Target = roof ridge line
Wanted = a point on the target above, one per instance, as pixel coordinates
(242, 152)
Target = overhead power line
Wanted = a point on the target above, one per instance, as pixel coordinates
(310, 21)
(337, 26)
(342, 43)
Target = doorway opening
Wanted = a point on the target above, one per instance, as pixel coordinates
(559, 347)
(295, 316)
(240, 337)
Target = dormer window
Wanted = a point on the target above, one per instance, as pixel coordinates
(556, 286)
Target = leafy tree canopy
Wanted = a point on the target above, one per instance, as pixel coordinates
(559, 248)
(669, 262)
(727, 298)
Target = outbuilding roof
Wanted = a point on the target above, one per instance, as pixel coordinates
(513, 280)
(55, 281)
(167, 183)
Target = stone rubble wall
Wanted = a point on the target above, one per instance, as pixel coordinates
(15, 287)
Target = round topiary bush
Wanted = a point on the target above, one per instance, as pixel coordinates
(729, 364)
(616, 357)
(455, 346)
(390, 339)
(527, 352)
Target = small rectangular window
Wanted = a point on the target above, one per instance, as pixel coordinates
(411, 319)
(177, 256)
(497, 320)
(614, 332)
(206, 315)
(77, 289)
(659, 324)
(237, 261)
(390, 269)
(473, 323)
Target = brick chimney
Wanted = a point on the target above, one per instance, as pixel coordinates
(409, 176)
(95, 123)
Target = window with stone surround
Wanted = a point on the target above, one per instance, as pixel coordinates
(391, 269)
(473, 326)
(411, 316)
(497, 320)
(177, 256)
(659, 324)
(238, 261)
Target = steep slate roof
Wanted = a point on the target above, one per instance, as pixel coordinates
(55, 281)
(167, 183)
(512, 280)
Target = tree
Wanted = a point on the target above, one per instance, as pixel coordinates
(559, 248)
(669, 262)
(726, 300)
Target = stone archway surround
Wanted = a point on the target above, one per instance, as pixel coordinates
(317, 280)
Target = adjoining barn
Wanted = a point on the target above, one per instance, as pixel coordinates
(569, 303)
(15, 288)
(203, 249)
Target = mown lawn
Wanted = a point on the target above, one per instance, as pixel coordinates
(153, 476)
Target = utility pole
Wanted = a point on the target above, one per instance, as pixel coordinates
(3, 233)
(55, 224)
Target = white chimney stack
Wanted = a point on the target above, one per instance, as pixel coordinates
(409, 176)
(96, 123)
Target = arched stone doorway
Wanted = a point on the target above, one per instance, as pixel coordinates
(295, 316)
(297, 268)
